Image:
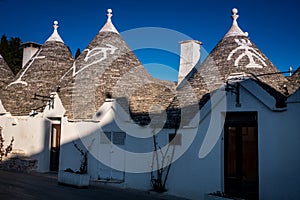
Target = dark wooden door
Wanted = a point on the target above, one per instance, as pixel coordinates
(241, 159)
(55, 147)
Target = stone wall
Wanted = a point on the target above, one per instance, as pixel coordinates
(19, 165)
(17, 161)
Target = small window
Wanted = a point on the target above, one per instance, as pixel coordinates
(105, 138)
(119, 138)
(175, 139)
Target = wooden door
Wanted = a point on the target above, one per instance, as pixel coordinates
(55, 147)
(241, 159)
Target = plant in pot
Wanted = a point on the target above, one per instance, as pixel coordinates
(78, 178)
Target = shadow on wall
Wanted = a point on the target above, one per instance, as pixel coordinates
(19, 160)
(47, 159)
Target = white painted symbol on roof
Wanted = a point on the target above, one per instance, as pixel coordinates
(94, 52)
(250, 52)
(19, 80)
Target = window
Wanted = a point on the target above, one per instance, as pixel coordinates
(117, 138)
(105, 138)
(175, 139)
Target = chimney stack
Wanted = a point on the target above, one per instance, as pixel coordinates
(29, 49)
(189, 57)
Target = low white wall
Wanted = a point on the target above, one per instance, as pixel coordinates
(31, 135)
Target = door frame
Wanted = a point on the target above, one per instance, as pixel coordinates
(239, 120)
(54, 161)
(108, 142)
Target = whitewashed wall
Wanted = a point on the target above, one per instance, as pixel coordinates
(31, 136)
(190, 176)
(279, 152)
(32, 133)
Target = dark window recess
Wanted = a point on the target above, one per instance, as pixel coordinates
(105, 138)
(108, 95)
(119, 138)
(175, 139)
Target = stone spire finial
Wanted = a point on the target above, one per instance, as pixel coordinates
(55, 26)
(290, 70)
(55, 36)
(109, 14)
(235, 29)
(109, 27)
(234, 15)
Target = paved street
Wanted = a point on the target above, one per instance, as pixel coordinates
(39, 186)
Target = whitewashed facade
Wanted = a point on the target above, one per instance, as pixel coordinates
(258, 140)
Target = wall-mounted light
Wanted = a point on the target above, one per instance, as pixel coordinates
(37, 97)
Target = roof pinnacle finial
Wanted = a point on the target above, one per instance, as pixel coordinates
(235, 29)
(55, 26)
(109, 27)
(55, 36)
(109, 14)
(234, 15)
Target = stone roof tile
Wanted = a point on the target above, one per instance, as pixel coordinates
(107, 67)
(40, 75)
(294, 81)
(6, 74)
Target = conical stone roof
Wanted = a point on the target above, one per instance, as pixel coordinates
(234, 56)
(39, 76)
(107, 68)
(294, 81)
(153, 99)
(6, 76)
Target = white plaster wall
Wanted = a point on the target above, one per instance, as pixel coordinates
(186, 175)
(191, 176)
(279, 141)
(279, 154)
(31, 135)
(2, 110)
(69, 156)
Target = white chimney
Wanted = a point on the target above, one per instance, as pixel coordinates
(29, 49)
(189, 57)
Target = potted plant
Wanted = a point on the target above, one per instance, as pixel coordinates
(78, 178)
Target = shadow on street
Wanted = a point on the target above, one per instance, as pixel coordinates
(14, 185)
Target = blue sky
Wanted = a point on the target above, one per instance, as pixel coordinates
(274, 26)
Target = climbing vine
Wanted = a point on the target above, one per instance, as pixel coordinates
(4, 151)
